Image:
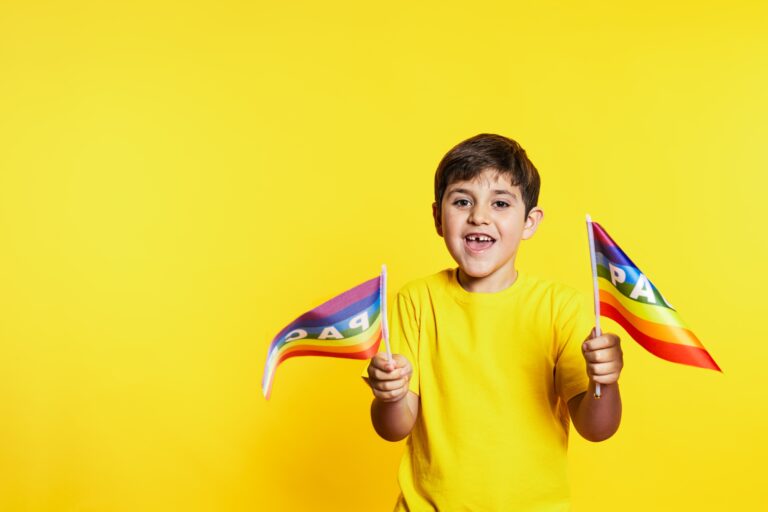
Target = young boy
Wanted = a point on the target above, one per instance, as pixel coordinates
(489, 363)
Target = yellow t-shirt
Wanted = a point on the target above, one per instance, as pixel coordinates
(494, 372)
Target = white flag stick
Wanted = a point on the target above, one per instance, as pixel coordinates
(593, 259)
(383, 298)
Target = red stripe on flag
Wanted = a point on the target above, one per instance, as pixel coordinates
(365, 354)
(684, 354)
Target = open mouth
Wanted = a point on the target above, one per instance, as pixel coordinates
(478, 243)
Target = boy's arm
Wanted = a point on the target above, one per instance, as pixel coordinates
(597, 419)
(394, 408)
(393, 421)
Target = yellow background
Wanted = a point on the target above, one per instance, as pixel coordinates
(179, 180)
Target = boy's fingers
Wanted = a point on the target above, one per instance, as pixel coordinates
(604, 368)
(595, 356)
(384, 375)
(382, 369)
(601, 342)
(381, 362)
(390, 385)
(400, 361)
(604, 355)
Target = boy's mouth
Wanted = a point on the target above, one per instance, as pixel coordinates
(478, 242)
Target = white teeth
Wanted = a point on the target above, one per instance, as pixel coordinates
(476, 238)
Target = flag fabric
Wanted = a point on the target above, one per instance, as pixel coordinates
(349, 325)
(628, 297)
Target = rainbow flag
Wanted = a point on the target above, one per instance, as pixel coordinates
(349, 325)
(627, 296)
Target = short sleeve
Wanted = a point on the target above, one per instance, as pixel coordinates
(573, 323)
(403, 337)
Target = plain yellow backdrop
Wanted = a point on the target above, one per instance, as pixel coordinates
(179, 180)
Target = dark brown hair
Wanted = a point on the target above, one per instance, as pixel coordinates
(488, 151)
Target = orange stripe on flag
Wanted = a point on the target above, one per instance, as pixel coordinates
(669, 333)
(675, 352)
(343, 351)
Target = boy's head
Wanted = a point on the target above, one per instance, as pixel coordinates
(486, 191)
(470, 158)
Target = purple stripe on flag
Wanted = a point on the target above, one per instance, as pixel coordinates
(354, 300)
(326, 321)
(610, 249)
(349, 297)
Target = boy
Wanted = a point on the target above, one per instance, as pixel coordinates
(489, 363)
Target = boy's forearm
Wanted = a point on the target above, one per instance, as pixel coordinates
(392, 420)
(597, 419)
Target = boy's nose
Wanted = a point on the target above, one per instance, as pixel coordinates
(478, 215)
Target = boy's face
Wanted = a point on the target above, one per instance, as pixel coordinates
(483, 221)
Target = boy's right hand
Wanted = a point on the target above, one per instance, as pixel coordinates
(389, 380)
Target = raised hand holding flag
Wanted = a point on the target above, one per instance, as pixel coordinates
(624, 294)
(350, 325)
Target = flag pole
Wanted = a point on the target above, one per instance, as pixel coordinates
(593, 259)
(383, 297)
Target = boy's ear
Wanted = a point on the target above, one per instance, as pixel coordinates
(532, 222)
(436, 216)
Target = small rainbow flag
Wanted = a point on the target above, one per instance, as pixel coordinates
(627, 296)
(350, 325)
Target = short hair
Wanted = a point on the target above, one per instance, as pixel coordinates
(471, 157)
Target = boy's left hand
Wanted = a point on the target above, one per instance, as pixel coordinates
(604, 357)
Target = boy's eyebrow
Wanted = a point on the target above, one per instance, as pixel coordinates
(498, 191)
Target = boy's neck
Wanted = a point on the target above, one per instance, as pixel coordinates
(489, 284)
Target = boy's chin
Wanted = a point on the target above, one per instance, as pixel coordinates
(475, 272)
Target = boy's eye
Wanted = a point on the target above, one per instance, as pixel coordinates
(461, 202)
(501, 204)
